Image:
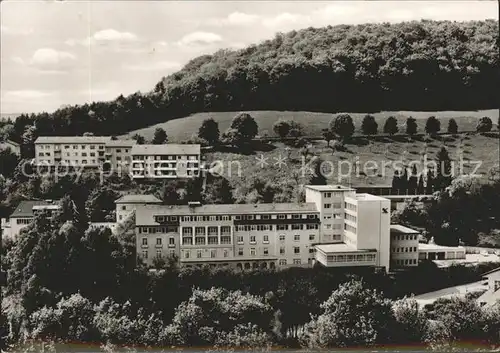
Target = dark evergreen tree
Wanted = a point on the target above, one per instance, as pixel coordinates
(429, 183)
(413, 180)
(452, 126)
(420, 185)
(444, 170)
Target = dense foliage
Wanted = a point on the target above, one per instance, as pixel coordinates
(425, 65)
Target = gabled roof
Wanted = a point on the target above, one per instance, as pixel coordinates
(10, 142)
(73, 139)
(139, 198)
(25, 208)
(169, 148)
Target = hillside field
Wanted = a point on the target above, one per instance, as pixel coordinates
(376, 159)
(183, 128)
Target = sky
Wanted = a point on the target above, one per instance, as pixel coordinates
(56, 53)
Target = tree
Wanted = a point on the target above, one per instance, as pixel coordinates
(296, 130)
(420, 185)
(246, 126)
(317, 176)
(352, 316)
(342, 126)
(139, 139)
(444, 170)
(411, 126)
(101, 204)
(452, 126)
(484, 124)
(432, 125)
(328, 135)
(219, 317)
(281, 128)
(218, 190)
(160, 137)
(232, 137)
(391, 126)
(429, 182)
(411, 322)
(209, 131)
(8, 162)
(169, 194)
(413, 180)
(369, 125)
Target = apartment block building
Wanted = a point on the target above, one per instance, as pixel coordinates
(82, 151)
(167, 161)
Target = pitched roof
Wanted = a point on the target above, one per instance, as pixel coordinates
(25, 208)
(169, 148)
(121, 143)
(73, 139)
(143, 214)
(10, 142)
(138, 198)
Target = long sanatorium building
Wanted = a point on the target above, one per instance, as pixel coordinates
(334, 227)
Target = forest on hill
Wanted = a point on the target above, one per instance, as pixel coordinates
(426, 65)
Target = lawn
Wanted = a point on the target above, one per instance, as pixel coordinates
(183, 128)
(375, 160)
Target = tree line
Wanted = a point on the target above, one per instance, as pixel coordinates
(426, 65)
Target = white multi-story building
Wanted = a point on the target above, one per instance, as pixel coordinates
(24, 214)
(329, 200)
(404, 246)
(271, 235)
(244, 236)
(83, 151)
(167, 161)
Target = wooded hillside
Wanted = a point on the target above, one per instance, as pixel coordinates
(427, 65)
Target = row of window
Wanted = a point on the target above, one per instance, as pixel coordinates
(159, 253)
(332, 205)
(266, 227)
(199, 253)
(23, 221)
(350, 206)
(405, 249)
(137, 165)
(351, 258)
(164, 172)
(163, 157)
(350, 218)
(224, 230)
(250, 217)
(265, 239)
(333, 216)
(350, 228)
(405, 237)
(332, 194)
(282, 262)
(199, 240)
(75, 147)
(171, 241)
(265, 251)
(332, 226)
(406, 262)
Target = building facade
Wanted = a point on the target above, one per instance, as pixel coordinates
(242, 236)
(24, 214)
(168, 161)
(127, 204)
(13, 146)
(404, 246)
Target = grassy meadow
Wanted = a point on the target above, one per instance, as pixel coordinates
(183, 128)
